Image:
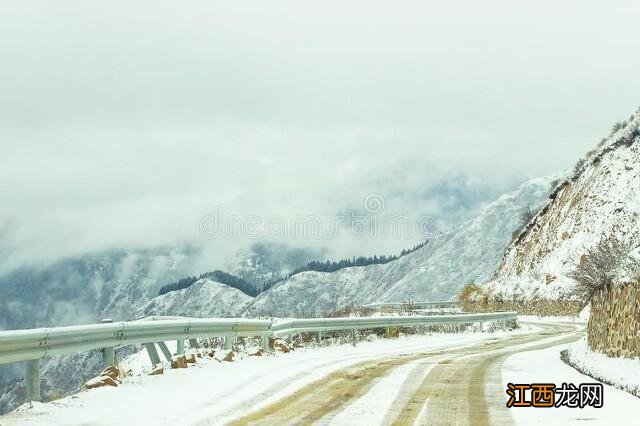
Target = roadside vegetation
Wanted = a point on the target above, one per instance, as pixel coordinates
(608, 263)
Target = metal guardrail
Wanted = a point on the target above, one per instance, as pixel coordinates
(24, 345)
(417, 305)
(31, 345)
(334, 324)
(34, 344)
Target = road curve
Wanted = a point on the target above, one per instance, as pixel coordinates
(455, 386)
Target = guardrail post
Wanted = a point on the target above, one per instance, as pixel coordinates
(180, 347)
(153, 353)
(32, 380)
(265, 343)
(165, 350)
(387, 332)
(109, 353)
(319, 337)
(353, 337)
(228, 342)
(481, 326)
(193, 343)
(109, 356)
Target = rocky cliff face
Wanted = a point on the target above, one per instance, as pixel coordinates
(601, 198)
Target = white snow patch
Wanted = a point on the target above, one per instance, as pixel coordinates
(545, 366)
(372, 406)
(623, 373)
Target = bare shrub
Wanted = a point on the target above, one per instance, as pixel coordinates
(618, 125)
(407, 308)
(465, 296)
(577, 169)
(526, 217)
(467, 291)
(350, 310)
(598, 268)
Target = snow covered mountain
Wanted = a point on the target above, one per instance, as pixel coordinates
(601, 198)
(205, 298)
(265, 262)
(437, 271)
(88, 288)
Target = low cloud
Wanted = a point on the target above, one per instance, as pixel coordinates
(125, 125)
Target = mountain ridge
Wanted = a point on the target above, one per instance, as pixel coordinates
(469, 252)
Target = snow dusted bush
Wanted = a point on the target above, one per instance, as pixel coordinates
(467, 296)
(602, 267)
(577, 169)
(525, 219)
(350, 310)
(618, 125)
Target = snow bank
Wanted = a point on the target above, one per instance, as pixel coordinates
(623, 373)
(544, 366)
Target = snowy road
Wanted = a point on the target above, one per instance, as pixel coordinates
(450, 386)
(434, 379)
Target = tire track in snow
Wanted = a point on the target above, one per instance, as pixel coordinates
(337, 390)
(282, 381)
(380, 397)
(455, 391)
(329, 394)
(411, 401)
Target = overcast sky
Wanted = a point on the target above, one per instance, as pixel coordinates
(126, 123)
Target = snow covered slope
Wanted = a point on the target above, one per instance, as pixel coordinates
(601, 198)
(205, 298)
(437, 271)
(267, 261)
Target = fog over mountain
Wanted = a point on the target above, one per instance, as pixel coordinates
(127, 139)
(86, 287)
